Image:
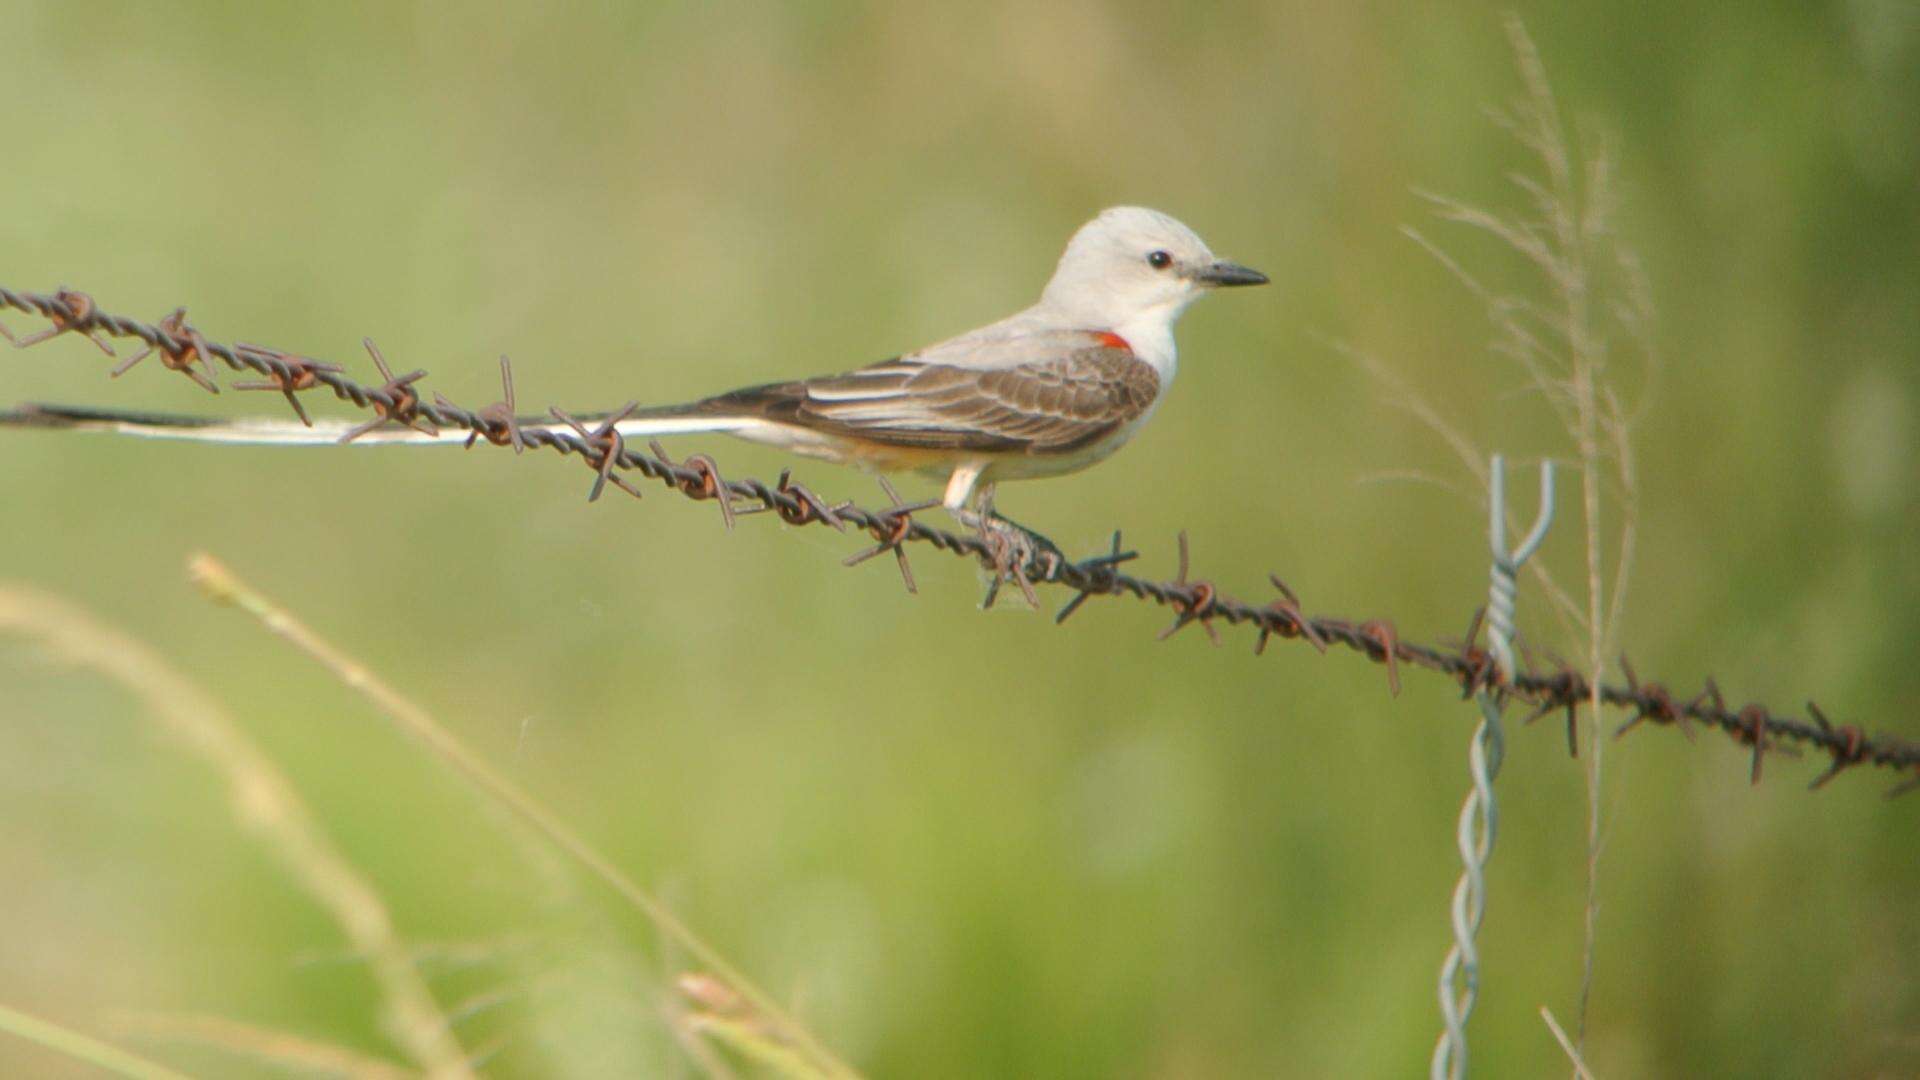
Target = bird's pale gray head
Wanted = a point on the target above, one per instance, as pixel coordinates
(1132, 264)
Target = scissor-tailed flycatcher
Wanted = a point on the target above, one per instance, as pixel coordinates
(1048, 391)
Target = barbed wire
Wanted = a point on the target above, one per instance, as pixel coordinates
(1548, 684)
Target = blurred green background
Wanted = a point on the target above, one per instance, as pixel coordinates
(962, 844)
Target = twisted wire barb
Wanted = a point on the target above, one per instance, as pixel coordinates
(1479, 819)
(1548, 688)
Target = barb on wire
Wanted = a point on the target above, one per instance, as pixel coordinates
(1555, 687)
(1094, 565)
(892, 527)
(1199, 607)
(182, 360)
(396, 403)
(1479, 818)
(607, 442)
(291, 375)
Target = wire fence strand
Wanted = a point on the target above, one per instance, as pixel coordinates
(1548, 685)
(1479, 817)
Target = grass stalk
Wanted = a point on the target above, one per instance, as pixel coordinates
(104, 1056)
(220, 583)
(1560, 343)
(264, 803)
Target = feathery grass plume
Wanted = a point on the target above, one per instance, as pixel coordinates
(1592, 294)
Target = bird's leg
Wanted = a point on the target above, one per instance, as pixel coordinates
(1033, 543)
(1012, 547)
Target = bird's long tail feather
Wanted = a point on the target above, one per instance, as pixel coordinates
(262, 431)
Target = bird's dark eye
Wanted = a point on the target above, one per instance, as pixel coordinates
(1159, 260)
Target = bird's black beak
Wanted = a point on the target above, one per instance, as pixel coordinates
(1225, 273)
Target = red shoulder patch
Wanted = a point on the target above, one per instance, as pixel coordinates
(1112, 340)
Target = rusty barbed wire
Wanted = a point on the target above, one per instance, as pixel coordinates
(1553, 687)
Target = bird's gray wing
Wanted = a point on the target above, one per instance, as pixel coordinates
(1070, 399)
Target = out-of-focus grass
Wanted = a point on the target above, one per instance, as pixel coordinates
(262, 802)
(965, 844)
(792, 1041)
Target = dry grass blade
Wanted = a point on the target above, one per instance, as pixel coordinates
(103, 1056)
(1578, 215)
(220, 583)
(1580, 1070)
(263, 802)
(283, 1051)
(752, 1044)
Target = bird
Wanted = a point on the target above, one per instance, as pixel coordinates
(1044, 392)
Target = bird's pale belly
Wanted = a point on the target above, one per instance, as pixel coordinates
(1039, 466)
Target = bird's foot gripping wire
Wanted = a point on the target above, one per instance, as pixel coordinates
(1019, 554)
